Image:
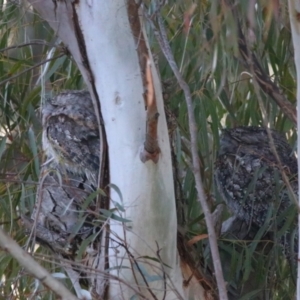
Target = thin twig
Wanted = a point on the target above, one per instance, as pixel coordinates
(34, 42)
(137, 266)
(31, 68)
(163, 42)
(251, 62)
(25, 260)
(163, 270)
(38, 208)
(63, 262)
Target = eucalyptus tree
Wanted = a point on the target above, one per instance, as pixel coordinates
(232, 62)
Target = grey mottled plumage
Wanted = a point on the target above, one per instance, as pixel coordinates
(63, 219)
(71, 135)
(249, 177)
(66, 216)
(62, 223)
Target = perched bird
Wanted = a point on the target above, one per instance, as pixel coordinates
(249, 177)
(62, 223)
(66, 218)
(63, 220)
(71, 134)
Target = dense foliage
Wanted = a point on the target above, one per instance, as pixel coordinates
(224, 95)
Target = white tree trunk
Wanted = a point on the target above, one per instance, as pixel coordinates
(294, 12)
(99, 37)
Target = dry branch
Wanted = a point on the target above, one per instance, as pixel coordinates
(25, 260)
(252, 64)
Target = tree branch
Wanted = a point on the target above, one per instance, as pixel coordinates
(31, 43)
(252, 64)
(31, 68)
(163, 42)
(9, 245)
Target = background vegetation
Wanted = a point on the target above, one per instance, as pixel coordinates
(224, 96)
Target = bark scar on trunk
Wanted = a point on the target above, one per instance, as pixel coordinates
(151, 149)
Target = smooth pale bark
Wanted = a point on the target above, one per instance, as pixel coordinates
(147, 189)
(112, 73)
(294, 12)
